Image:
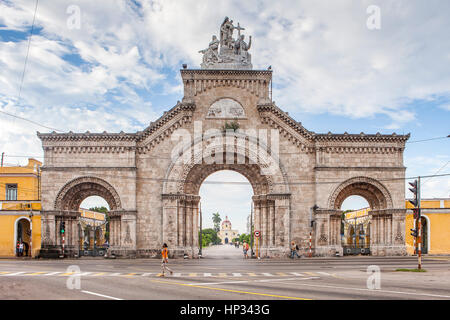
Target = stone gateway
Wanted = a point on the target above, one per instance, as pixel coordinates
(151, 178)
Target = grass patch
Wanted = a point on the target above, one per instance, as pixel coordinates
(411, 270)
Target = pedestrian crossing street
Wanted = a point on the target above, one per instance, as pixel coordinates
(155, 274)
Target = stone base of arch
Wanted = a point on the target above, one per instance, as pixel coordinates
(122, 234)
(327, 225)
(387, 232)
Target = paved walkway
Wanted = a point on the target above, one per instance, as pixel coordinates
(224, 251)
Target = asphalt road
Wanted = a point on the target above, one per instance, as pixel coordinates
(224, 274)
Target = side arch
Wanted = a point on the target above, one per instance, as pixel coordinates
(75, 191)
(376, 194)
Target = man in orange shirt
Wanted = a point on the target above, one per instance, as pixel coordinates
(165, 260)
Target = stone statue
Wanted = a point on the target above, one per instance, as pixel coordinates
(226, 33)
(228, 53)
(211, 54)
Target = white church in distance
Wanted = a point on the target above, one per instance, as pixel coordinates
(226, 234)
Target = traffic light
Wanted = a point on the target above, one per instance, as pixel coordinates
(414, 233)
(62, 227)
(414, 190)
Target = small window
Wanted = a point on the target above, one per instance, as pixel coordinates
(11, 192)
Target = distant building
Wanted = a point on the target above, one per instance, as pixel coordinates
(226, 234)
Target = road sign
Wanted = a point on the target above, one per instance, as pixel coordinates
(257, 234)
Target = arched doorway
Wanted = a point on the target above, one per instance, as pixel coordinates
(425, 234)
(362, 202)
(22, 236)
(184, 177)
(355, 225)
(226, 205)
(84, 232)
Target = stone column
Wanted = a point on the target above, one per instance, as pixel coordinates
(195, 225)
(281, 211)
(169, 221)
(181, 223)
(272, 223)
(326, 231)
(388, 226)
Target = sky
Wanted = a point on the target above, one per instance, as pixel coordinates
(114, 65)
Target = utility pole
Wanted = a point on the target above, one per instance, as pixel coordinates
(416, 233)
(419, 217)
(251, 231)
(201, 232)
(3, 154)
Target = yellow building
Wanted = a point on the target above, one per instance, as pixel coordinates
(20, 207)
(435, 226)
(226, 234)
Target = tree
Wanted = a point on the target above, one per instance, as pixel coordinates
(209, 236)
(216, 220)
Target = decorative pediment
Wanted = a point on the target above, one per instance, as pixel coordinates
(226, 108)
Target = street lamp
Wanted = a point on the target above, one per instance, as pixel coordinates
(201, 232)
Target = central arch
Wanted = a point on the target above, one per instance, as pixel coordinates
(180, 194)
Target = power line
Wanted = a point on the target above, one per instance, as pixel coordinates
(31, 121)
(28, 51)
(438, 138)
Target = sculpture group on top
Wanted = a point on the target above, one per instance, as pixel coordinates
(228, 52)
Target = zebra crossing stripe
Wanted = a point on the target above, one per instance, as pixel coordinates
(51, 273)
(115, 274)
(281, 274)
(85, 273)
(207, 275)
(146, 274)
(324, 273)
(267, 274)
(15, 273)
(297, 274)
(177, 274)
(311, 273)
(237, 275)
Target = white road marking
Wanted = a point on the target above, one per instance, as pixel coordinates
(377, 290)
(246, 281)
(324, 273)
(114, 274)
(177, 274)
(101, 295)
(14, 274)
(237, 275)
(267, 274)
(297, 274)
(51, 273)
(85, 273)
(207, 275)
(146, 274)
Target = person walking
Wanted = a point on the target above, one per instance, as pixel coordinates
(165, 260)
(17, 249)
(294, 249)
(245, 249)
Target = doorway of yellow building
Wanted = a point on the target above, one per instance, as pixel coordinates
(22, 235)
